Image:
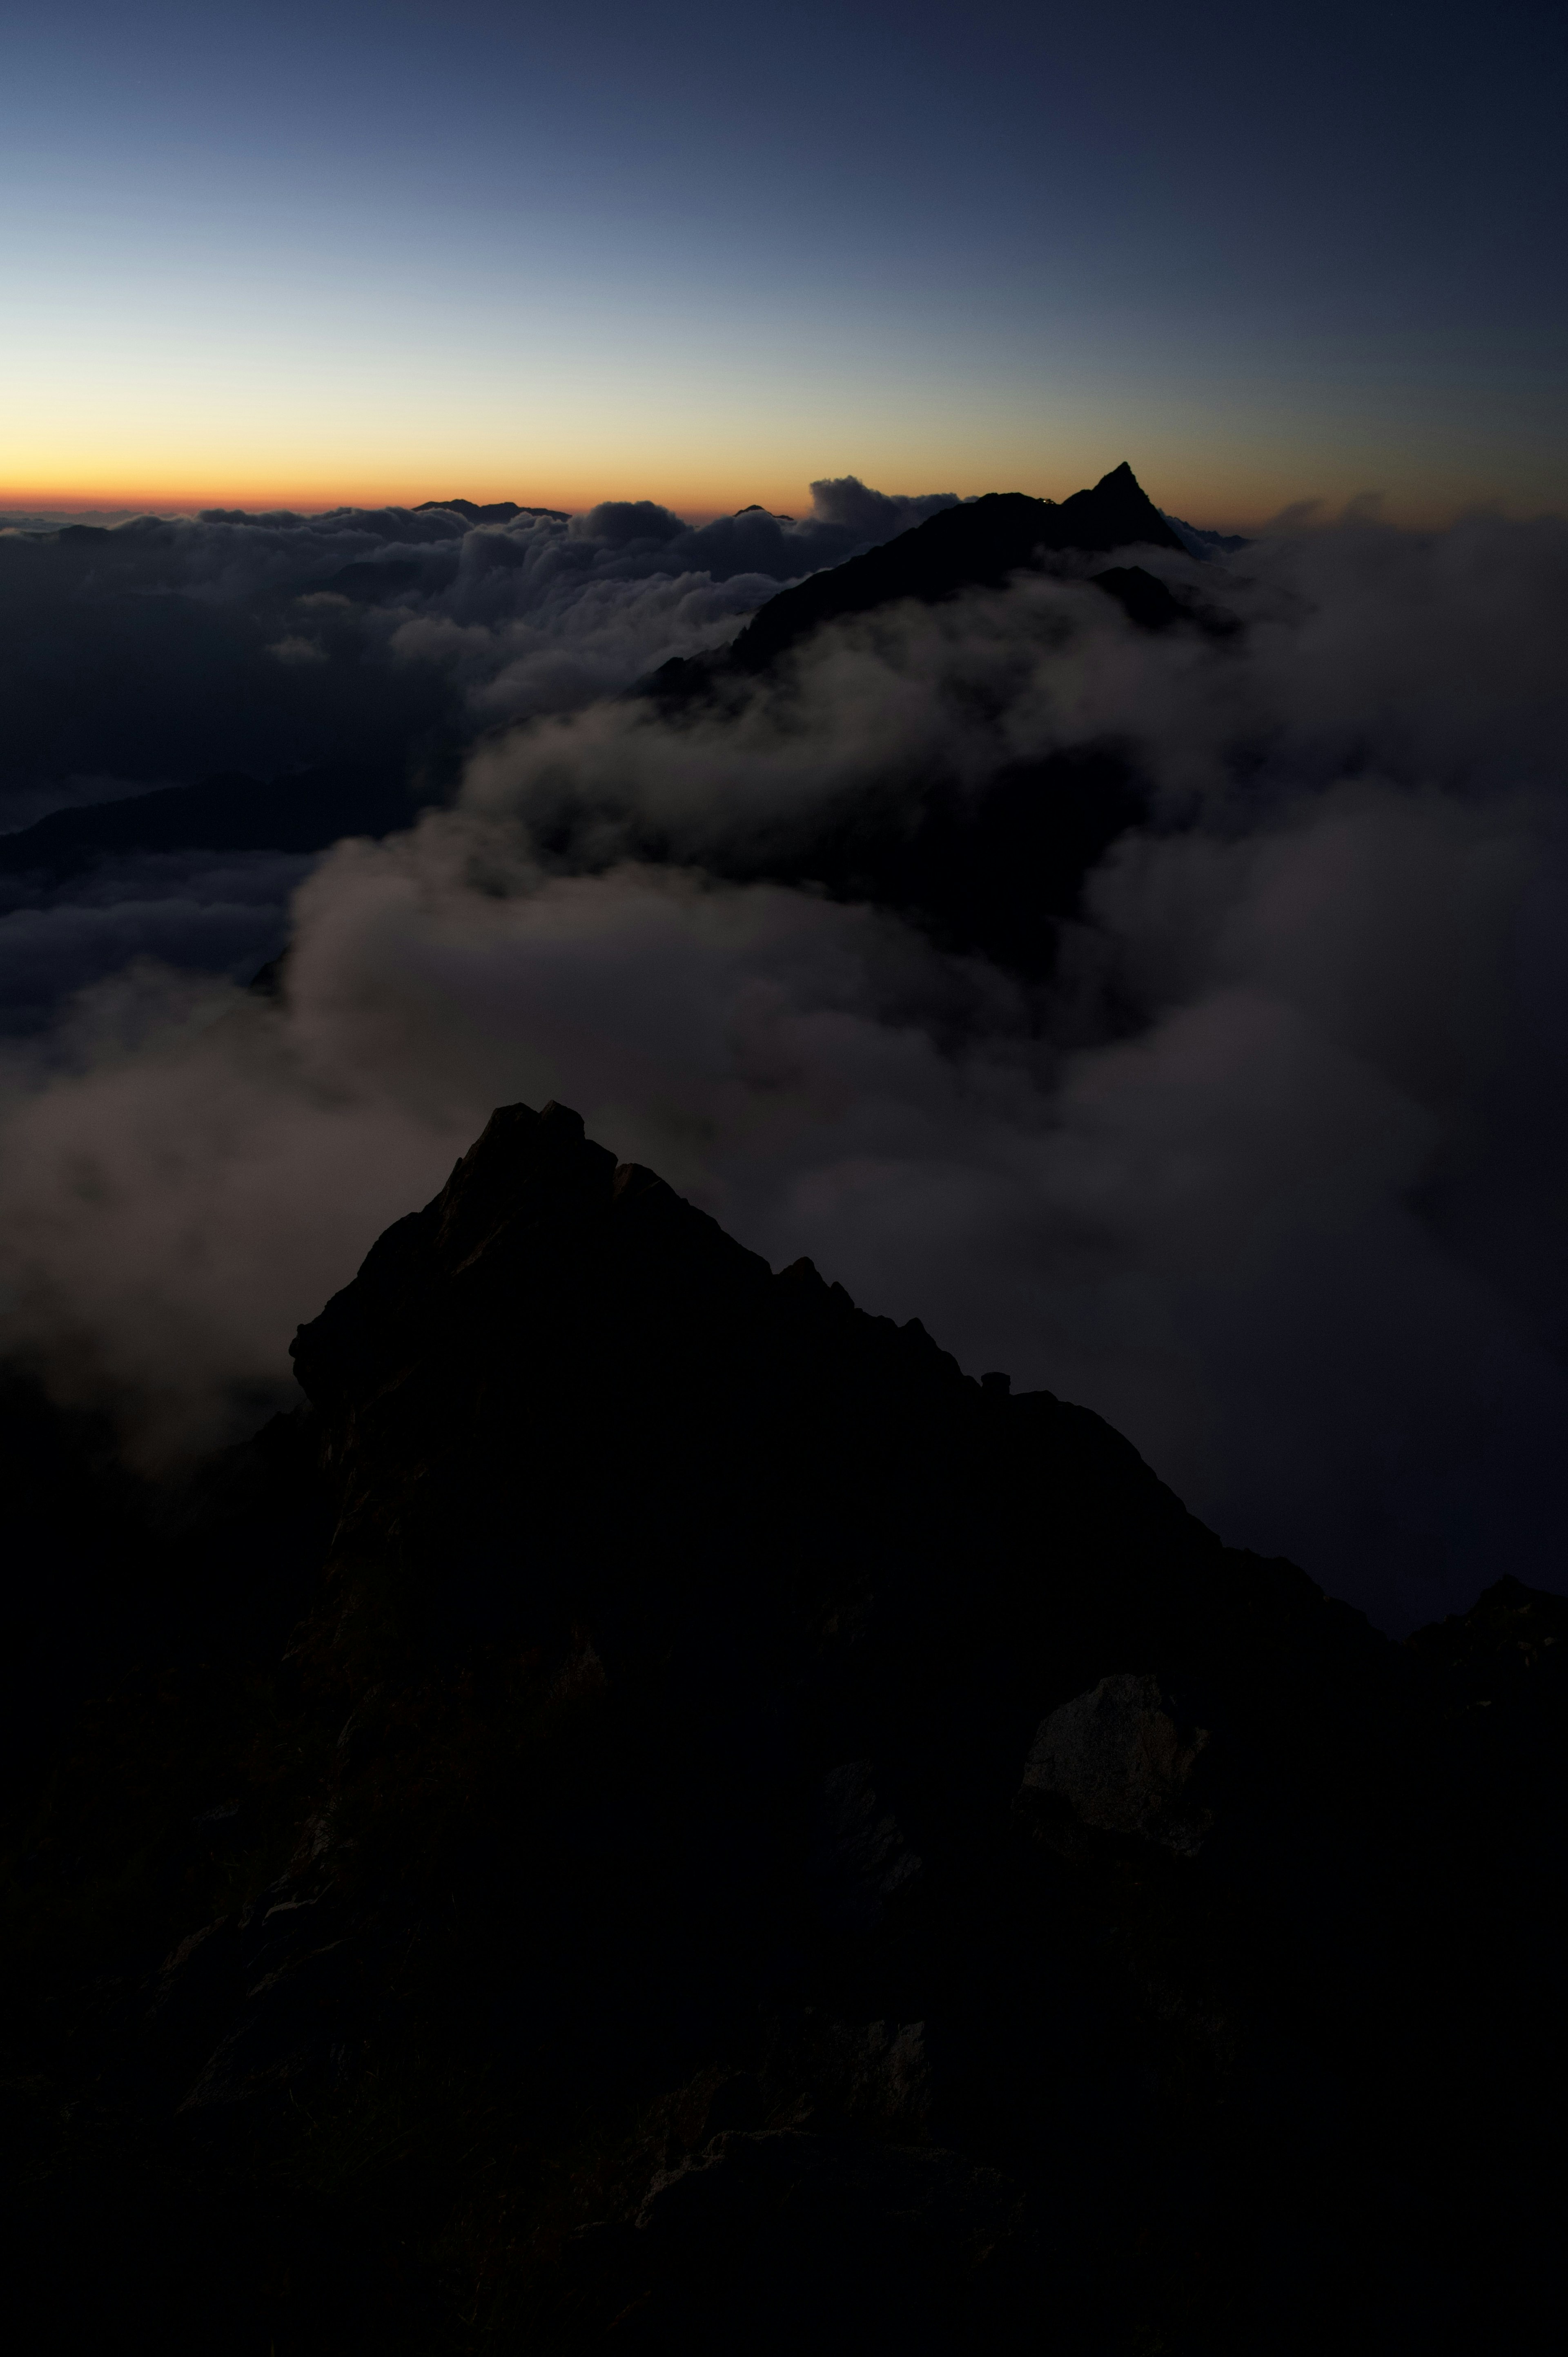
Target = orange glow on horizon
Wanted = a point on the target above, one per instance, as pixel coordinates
(1233, 499)
(695, 505)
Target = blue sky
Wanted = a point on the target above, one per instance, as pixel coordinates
(703, 255)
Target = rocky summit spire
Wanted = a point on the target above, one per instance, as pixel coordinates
(977, 545)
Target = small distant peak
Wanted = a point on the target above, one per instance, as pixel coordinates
(1142, 597)
(486, 511)
(1199, 541)
(999, 1383)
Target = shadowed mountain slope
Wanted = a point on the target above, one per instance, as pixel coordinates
(658, 1813)
(993, 864)
(977, 545)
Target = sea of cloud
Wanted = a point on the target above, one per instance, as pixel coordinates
(171, 649)
(1271, 1170)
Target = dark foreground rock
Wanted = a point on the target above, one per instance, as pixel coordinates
(656, 1813)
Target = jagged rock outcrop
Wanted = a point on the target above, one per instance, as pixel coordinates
(1121, 1761)
(546, 1862)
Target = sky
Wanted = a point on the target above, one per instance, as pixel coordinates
(395, 251)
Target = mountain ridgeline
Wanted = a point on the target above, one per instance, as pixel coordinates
(655, 1813)
(993, 870)
(992, 864)
(977, 545)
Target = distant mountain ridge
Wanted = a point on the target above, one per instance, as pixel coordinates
(229, 812)
(492, 511)
(977, 545)
(1201, 544)
(995, 870)
(977, 542)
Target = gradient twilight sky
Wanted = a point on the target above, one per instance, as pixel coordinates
(397, 249)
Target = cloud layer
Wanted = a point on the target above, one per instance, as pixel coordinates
(167, 650)
(1270, 1170)
(171, 649)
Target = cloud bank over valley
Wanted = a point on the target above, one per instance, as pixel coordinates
(1244, 1124)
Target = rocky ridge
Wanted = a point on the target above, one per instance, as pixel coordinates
(655, 1811)
(978, 544)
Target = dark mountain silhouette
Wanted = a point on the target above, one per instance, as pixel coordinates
(1198, 542)
(993, 864)
(994, 867)
(490, 511)
(1144, 598)
(994, 870)
(978, 544)
(230, 812)
(657, 1813)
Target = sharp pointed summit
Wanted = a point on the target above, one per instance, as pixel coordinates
(979, 544)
